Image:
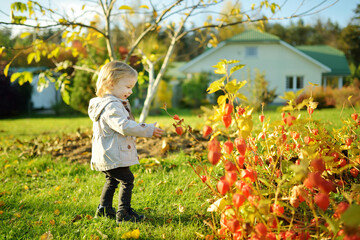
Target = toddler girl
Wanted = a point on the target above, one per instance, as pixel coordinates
(113, 143)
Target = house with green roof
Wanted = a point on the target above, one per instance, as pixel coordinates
(286, 68)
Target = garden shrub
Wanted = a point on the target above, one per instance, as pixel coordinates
(83, 89)
(332, 97)
(259, 91)
(288, 179)
(194, 90)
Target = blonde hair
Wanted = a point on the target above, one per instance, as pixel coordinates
(111, 73)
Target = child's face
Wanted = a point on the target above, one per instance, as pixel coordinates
(123, 88)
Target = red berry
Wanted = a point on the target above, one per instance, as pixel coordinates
(228, 109)
(310, 110)
(233, 225)
(342, 162)
(240, 146)
(326, 186)
(203, 178)
(278, 209)
(230, 167)
(260, 229)
(348, 141)
(240, 160)
(354, 172)
(214, 157)
(206, 131)
(214, 145)
(226, 119)
(241, 111)
(223, 187)
(238, 199)
(315, 179)
(231, 177)
(322, 200)
(354, 116)
(318, 165)
(307, 139)
(289, 120)
(341, 208)
(295, 135)
(261, 117)
(179, 130)
(315, 131)
(176, 117)
(228, 147)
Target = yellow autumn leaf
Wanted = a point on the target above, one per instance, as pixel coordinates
(26, 187)
(1, 212)
(52, 222)
(313, 84)
(132, 234)
(57, 188)
(57, 212)
(25, 34)
(18, 215)
(46, 236)
(144, 6)
(349, 98)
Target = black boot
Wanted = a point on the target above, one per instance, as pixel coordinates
(103, 211)
(129, 216)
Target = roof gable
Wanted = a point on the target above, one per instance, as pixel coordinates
(252, 35)
(329, 56)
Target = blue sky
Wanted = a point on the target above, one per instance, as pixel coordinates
(340, 11)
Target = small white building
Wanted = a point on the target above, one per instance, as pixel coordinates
(48, 97)
(286, 68)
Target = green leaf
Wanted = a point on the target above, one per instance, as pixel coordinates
(235, 68)
(65, 94)
(30, 57)
(351, 217)
(215, 86)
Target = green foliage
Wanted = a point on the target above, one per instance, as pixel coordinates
(259, 91)
(83, 89)
(194, 90)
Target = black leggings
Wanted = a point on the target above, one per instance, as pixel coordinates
(115, 176)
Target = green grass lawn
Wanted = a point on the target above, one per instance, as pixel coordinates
(42, 195)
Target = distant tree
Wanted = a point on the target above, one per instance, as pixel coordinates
(149, 18)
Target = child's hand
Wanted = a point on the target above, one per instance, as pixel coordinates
(158, 132)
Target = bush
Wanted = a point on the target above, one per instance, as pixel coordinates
(194, 90)
(258, 88)
(83, 90)
(14, 99)
(330, 97)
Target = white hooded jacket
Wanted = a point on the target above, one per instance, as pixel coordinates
(113, 142)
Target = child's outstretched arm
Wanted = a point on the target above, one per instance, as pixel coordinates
(158, 132)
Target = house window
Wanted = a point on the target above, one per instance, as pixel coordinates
(294, 82)
(251, 51)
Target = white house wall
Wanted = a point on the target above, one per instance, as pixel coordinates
(276, 60)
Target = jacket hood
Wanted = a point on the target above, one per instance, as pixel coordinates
(97, 105)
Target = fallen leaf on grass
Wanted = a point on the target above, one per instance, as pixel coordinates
(76, 218)
(2, 203)
(132, 234)
(52, 222)
(1, 212)
(18, 215)
(47, 236)
(88, 217)
(57, 212)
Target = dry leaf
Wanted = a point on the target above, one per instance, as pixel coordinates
(57, 212)
(47, 236)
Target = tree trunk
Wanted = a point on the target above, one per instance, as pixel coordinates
(153, 85)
